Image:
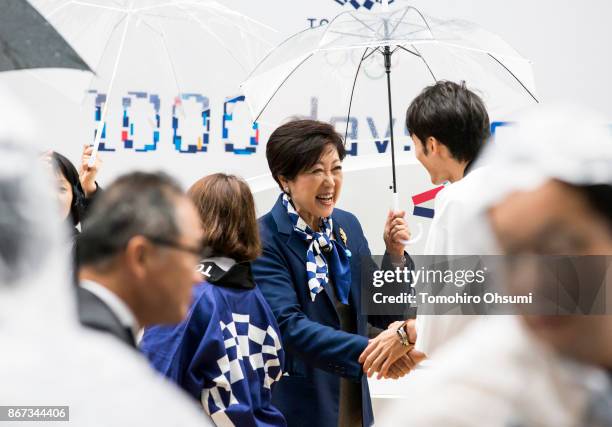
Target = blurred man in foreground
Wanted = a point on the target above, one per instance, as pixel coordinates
(546, 195)
(138, 256)
(47, 358)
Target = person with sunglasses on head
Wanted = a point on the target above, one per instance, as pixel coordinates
(138, 251)
(227, 353)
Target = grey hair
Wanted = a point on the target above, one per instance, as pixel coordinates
(138, 203)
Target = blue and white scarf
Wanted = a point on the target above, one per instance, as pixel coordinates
(317, 269)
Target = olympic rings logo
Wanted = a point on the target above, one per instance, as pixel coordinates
(361, 3)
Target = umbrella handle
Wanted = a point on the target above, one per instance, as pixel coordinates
(96, 145)
(396, 208)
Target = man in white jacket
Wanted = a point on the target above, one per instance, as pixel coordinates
(449, 125)
(542, 194)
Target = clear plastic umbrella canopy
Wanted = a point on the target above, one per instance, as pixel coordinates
(344, 61)
(144, 51)
(373, 63)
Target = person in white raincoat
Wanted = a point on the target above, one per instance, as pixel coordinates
(449, 125)
(47, 358)
(553, 167)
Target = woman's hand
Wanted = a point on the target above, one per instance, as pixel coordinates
(396, 233)
(404, 364)
(385, 350)
(87, 174)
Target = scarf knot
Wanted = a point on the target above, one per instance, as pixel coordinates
(321, 244)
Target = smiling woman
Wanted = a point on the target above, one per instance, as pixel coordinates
(310, 274)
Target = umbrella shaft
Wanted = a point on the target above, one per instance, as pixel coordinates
(387, 56)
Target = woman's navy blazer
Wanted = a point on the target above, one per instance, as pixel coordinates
(317, 352)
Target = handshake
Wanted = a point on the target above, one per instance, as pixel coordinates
(389, 354)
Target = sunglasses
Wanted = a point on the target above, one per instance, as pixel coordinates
(201, 252)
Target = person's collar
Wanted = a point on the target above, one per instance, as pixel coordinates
(115, 304)
(279, 213)
(226, 272)
(222, 262)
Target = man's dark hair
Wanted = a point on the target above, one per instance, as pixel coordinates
(68, 171)
(296, 146)
(453, 115)
(135, 204)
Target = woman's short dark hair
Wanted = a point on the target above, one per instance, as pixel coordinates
(453, 115)
(227, 212)
(68, 171)
(298, 145)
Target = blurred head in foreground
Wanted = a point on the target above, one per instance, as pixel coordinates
(46, 355)
(31, 250)
(143, 240)
(561, 205)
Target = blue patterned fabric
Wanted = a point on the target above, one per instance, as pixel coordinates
(226, 354)
(317, 268)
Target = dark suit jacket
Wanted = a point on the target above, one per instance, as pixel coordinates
(317, 351)
(95, 314)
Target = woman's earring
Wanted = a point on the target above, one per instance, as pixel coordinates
(286, 190)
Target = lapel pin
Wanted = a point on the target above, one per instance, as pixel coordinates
(343, 236)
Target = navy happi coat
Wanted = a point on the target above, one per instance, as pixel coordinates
(227, 352)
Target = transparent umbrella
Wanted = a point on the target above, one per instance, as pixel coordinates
(143, 50)
(419, 50)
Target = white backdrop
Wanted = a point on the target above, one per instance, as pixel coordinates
(567, 41)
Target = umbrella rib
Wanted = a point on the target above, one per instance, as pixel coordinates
(348, 116)
(281, 85)
(325, 30)
(350, 34)
(423, 18)
(424, 62)
(378, 33)
(407, 50)
(57, 9)
(81, 3)
(162, 35)
(370, 54)
(210, 6)
(97, 6)
(108, 40)
(242, 29)
(274, 50)
(409, 33)
(212, 34)
(399, 21)
(364, 24)
(515, 77)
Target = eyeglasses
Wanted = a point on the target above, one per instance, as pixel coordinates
(200, 252)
